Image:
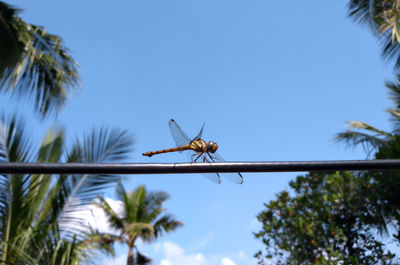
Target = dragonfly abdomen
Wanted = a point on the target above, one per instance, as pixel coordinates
(175, 149)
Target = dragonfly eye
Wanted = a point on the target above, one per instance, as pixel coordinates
(212, 147)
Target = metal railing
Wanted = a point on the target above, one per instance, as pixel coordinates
(174, 168)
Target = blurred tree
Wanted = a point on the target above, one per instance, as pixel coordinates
(142, 217)
(321, 222)
(333, 218)
(34, 64)
(383, 145)
(38, 213)
(371, 138)
(382, 17)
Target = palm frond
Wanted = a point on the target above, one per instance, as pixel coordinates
(99, 146)
(154, 205)
(15, 145)
(390, 50)
(143, 230)
(21, 195)
(121, 193)
(41, 67)
(369, 141)
(49, 207)
(66, 253)
(105, 145)
(364, 126)
(95, 240)
(52, 146)
(10, 48)
(381, 17)
(395, 113)
(141, 259)
(156, 199)
(139, 220)
(395, 120)
(50, 150)
(352, 138)
(135, 205)
(113, 218)
(17, 248)
(394, 91)
(363, 11)
(166, 223)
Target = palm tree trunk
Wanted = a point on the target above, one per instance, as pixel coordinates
(131, 258)
(7, 237)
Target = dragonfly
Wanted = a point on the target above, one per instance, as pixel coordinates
(199, 151)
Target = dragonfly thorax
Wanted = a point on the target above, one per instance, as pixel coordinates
(201, 146)
(212, 147)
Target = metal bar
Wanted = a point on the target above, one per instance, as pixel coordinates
(146, 168)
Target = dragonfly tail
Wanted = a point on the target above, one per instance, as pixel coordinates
(175, 149)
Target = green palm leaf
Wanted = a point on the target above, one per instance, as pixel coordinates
(370, 141)
(21, 195)
(100, 146)
(394, 91)
(364, 126)
(166, 223)
(38, 221)
(141, 218)
(370, 137)
(34, 64)
(141, 259)
(113, 218)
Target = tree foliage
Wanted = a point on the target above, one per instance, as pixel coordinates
(321, 221)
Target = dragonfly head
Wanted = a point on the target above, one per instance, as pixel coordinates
(212, 147)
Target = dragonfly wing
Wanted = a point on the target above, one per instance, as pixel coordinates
(200, 133)
(214, 177)
(233, 177)
(216, 157)
(179, 136)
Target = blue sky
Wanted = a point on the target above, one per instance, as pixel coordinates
(272, 80)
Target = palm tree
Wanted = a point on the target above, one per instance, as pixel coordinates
(142, 217)
(383, 18)
(371, 138)
(38, 220)
(384, 186)
(34, 64)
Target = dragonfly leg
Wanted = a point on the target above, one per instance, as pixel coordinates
(198, 156)
(210, 157)
(191, 158)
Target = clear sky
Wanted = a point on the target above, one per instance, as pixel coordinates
(272, 80)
